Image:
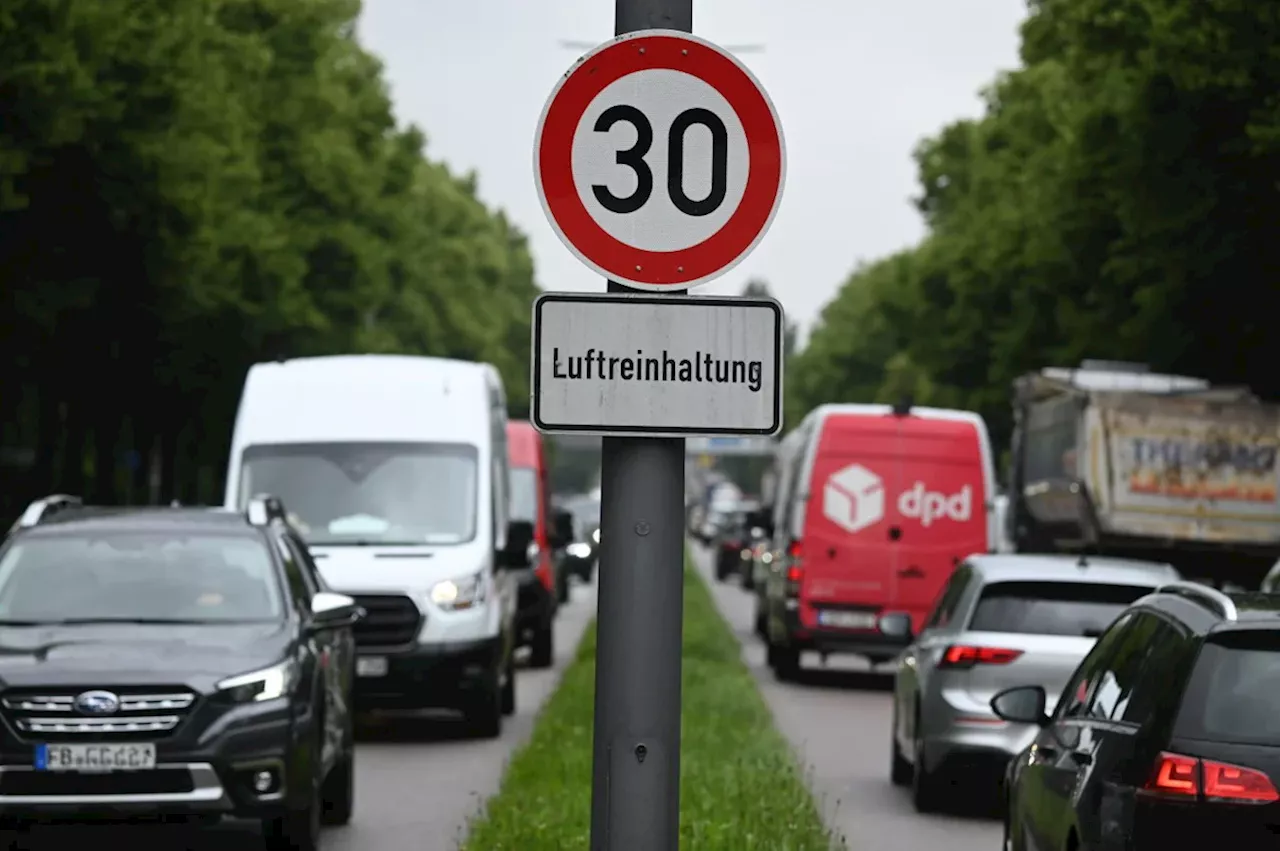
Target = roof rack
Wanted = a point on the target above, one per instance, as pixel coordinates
(1211, 597)
(42, 509)
(263, 508)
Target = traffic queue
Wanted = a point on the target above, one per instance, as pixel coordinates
(1100, 697)
(387, 541)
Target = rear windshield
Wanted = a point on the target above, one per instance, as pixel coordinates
(1052, 608)
(1231, 696)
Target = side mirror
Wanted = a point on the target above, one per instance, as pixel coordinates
(895, 625)
(333, 611)
(561, 528)
(1021, 705)
(520, 544)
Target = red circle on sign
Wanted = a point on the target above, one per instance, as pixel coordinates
(553, 161)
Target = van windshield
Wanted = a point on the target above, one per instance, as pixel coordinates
(369, 493)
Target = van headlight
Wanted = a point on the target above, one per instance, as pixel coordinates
(257, 686)
(595, 535)
(458, 594)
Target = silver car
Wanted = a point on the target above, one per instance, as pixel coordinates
(1001, 621)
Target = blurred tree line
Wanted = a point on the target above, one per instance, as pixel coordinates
(190, 186)
(1118, 200)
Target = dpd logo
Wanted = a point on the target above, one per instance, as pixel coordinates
(927, 506)
(853, 498)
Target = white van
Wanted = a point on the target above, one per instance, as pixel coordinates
(395, 471)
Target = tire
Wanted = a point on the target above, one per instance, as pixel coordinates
(722, 571)
(542, 652)
(786, 664)
(338, 794)
(296, 830)
(748, 580)
(926, 789)
(485, 715)
(759, 624)
(899, 769)
(562, 586)
(509, 688)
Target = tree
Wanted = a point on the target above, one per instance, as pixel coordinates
(1115, 201)
(191, 186)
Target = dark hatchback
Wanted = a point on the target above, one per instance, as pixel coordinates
(1166, 737)
(172, 663)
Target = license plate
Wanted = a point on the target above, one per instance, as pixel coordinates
(847, 620)
(371, 666)
(130, 757)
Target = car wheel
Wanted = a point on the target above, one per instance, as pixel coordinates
(760, 625)
(297, 829)
(926, 791)
(748, 581)
(509, 687)
(485, 715)
(562, 586)
(338, 796)
(900, 769)
(542, 651)
(786, 663)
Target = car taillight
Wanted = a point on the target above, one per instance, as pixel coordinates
(795, 573)
(1188, 777)
(967, 655)
(795, 568)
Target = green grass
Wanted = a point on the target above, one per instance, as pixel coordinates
(741, 789)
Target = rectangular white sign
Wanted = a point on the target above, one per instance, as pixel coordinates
(657, 365)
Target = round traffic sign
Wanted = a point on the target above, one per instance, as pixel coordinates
(659, 160)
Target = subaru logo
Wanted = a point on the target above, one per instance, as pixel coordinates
(97, 703)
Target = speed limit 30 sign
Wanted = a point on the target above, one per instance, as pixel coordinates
(659, 160)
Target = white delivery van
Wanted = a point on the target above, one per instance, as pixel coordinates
(395, 471)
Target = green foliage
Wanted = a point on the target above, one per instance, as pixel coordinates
(1117, 200)
(190, 186)
(740, 787)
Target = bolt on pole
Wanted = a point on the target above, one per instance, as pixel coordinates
(635, 779)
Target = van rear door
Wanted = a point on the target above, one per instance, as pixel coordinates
(848, 562)
(939, 510)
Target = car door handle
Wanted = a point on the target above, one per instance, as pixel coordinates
(1081, 758)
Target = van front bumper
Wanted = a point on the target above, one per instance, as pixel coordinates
(826, 640)
(430, 676)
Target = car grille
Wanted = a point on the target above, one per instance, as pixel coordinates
(391, 620)
(50, 715)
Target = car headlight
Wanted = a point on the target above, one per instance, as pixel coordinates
(459, 594)
(257, 686)
(579, 550)
(595, 535)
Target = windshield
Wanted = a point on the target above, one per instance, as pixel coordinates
(1052, 608)
(150, 577)
(369, 493)
(524, 494)
(1232, 693)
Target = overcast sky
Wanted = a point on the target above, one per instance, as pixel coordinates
(857, 84)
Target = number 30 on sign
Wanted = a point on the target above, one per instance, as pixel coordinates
(659, 160)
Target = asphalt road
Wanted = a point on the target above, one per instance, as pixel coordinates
(838, 718)
(419, 780)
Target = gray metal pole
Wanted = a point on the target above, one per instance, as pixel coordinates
(635, 778)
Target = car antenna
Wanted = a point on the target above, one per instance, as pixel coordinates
(903, 407)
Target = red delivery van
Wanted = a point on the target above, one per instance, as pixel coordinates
(530, 501)
(876, 507)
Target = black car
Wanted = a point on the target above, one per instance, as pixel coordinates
(173, 662)
(1166, 737)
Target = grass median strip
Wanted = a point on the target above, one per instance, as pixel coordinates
(740, 788)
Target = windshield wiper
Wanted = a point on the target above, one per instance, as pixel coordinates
(139, 621)
(365, 542)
